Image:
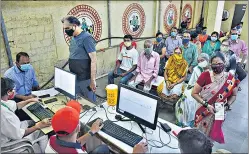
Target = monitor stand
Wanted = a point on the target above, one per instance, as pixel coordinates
(137, 123)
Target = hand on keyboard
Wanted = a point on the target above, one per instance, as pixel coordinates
(96, 126)
(33, 100)
(141, 147)
(44, 123)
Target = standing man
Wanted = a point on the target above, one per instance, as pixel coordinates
(126, 63)
(82, 58)
(172, 42)
(190, 53)
(147, 67)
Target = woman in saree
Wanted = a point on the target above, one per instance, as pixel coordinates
(213, 88)
(186, 106)
(174, 75)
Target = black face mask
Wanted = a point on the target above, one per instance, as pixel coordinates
(69, 32)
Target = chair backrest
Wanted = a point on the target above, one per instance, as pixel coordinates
(18, 147)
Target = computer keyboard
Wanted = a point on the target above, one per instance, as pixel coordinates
(39, 111)
(120, 133)
(50, 100)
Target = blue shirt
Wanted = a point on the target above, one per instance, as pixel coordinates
(190, 54)
(171, 44)
(24, 81)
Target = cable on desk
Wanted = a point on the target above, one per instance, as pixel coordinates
(84, 113)
(101, 106)
(91, 117)
(165, 144)
(113, 108)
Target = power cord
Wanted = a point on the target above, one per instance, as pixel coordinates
(113, 108)
(101, 106)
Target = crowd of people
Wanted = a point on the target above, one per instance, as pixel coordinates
(199, 70)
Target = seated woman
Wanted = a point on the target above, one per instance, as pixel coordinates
(160, 47)
(175, 73)
(186, 106)
(213, 89)
(196, 41)
(212, 45)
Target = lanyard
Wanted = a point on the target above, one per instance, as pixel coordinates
(6, 106)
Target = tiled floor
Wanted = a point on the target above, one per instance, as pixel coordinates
(235, 127)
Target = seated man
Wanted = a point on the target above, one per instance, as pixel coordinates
(66, 125)
(194, 141)
(127, 63)
(23, 74)
(147, 67)
(11, 127)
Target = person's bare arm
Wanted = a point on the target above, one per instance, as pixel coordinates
(42, 124)
(131, 70)
(22, 97)
(23, 103)
(244, 59)
(83, 139)
(93, 57)
(163, 53)
(232, 98)
(195, 93)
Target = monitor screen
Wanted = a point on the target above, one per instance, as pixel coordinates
(138, 105)
(65, 82)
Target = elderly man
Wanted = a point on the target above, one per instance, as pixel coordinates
(238, 46)
(82, 58)
(147, 67)
(23, 74)
(172, 42)
(190, 53)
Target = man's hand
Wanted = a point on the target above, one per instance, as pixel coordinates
(132, 79)
(140, 148)
(115, 71)
(147, 84)
(172, 85)
(123, 74)
(33, 100)
(93, 85)
(97, 125)
(43, 124)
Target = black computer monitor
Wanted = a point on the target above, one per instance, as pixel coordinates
(65, 82)
(139, 106)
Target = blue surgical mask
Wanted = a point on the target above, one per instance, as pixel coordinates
(173, 34)
(185, 41)
(234, 37)
(25, 67)
(213, 38)
(159, 39)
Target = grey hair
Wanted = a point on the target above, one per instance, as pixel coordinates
(205, 56)
(149, 42)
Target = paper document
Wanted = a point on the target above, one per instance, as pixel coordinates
(220, 111)
(51, 92)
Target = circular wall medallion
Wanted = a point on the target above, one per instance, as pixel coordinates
(133, 21)
(89, 19)
(225, 15)
(187, 12)
(170, 17)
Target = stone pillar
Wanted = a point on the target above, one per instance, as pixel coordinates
(214, 16)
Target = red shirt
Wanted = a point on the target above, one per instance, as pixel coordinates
(204, 79)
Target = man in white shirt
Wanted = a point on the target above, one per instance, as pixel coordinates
(11, 127)
(127, 62)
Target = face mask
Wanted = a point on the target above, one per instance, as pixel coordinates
(25, 67)
(203, 64)
(159, 39)
(69, 32)
(217, 68)
(173, 34)
(11, 96)
(127, 44)
(224, 48)
(185, 41)
(147, 51)
(204, 32)
(234, 37)
(213, 38)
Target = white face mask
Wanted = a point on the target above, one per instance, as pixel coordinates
(203, 64)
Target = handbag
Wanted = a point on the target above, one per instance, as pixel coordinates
(241, 73)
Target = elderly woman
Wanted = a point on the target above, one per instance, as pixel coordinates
(160, 47)
(212, 45)
(186, 106)
(175, 73)
(212, 91)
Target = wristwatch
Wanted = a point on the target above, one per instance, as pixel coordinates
(205, 103)
(91, 133)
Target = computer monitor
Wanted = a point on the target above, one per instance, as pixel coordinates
(138, 105)
(65, 82)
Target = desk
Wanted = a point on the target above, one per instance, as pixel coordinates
(55, 106)
(134, 128)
